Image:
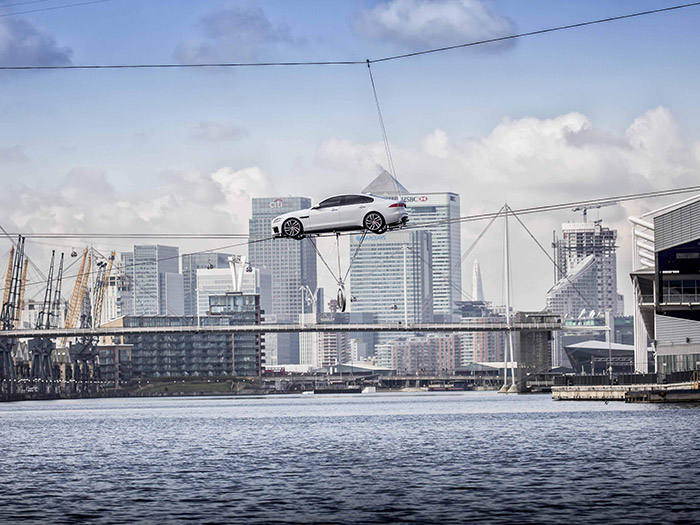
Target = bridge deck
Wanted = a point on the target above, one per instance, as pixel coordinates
(281, 328)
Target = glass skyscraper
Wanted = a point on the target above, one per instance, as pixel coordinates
(150, 265)
(436, 213)
(191, 262)
(391, 276)
(291, 262)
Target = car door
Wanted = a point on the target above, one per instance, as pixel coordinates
(324, 215)
(353, 210)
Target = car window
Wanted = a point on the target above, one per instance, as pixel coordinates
(356, 199)
(352, 199)
(330, 202)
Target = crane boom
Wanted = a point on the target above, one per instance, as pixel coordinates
(56, 307)
(22, 286)
(101, 290)
(76, 298)
(8, 277)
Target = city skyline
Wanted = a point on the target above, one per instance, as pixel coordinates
(195, 170)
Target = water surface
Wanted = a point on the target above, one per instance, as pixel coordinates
(428, 458)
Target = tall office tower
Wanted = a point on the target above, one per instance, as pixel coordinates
(434, 212)
(391, 277)
(477, 286)
(291, 262)
(151, 265)
(578, 241)
(191, 262)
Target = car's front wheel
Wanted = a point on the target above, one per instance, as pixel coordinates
(374, 222)
(292, 228)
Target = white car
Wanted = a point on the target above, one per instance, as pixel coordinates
(343, 213)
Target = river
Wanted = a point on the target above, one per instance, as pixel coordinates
(413, 457)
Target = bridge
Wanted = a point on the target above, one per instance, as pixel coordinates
(298, 328)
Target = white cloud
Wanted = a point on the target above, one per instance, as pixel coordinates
(84, 200)
(24, 44)
(432, 23)
(533, 161)
(215, 131)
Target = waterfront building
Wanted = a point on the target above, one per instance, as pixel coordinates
(150, 265)
(173, 354)
(391, 277)
(436, 213)
(323, 349)
(666, 282)
(480, 347)
(425, 355)
(581, 240)
(191, 262)
(577, 291)
(292, 264)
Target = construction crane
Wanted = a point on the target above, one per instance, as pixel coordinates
(78, 296)
(8, 276)
(22, 287)
(101, 285)
(56, 305)
(42, 348)
(585, 209)
(8, 314)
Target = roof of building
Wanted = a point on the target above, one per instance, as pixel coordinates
(601, 345)
(385, 184)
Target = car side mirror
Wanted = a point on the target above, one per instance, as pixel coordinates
(315, 207)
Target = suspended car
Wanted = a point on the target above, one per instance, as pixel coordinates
(343, 213)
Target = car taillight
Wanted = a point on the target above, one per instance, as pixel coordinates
(397, 205)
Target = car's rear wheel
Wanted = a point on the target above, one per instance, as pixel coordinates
(374, 222)
(292, 228)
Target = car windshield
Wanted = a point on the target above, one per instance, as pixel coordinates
(329, 202)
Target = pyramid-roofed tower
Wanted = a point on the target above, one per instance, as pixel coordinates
(385, 185)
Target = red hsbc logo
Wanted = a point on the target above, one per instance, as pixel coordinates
(422, 198)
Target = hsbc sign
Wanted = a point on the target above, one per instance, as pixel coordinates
(435, 199)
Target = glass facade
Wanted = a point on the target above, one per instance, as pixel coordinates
(191, 262)
(391, 277)
(292, 264)
(172, 354)
(150, 264)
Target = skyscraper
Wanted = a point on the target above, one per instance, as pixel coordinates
(191, 262)
(434, 212)
(291, 262)
(477, 286)
(392, 276)
(578, 241)
(151, 287)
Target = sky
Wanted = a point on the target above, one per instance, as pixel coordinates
(591, 112)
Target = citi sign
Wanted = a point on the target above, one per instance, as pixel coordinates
(277, 203)
(412, 198)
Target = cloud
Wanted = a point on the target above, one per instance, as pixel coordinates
(236, 33)
(85, 200)
(213, 131)
(12, 154)
(528, 162)
(24, 44)
(415, 24)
